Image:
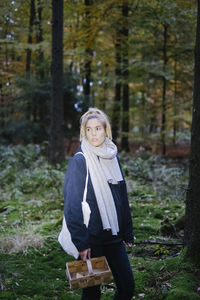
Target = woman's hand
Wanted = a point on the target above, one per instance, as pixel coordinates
(128, 245)
(85, 254)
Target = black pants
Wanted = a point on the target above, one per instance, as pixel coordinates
(118, 261)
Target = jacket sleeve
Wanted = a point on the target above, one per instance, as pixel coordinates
(73, 195)
(127, 222)
(127, 233)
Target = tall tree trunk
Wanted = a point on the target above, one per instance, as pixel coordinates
(87, 78)
(175, 101)
(153, 126)
(39, 39)
(88, 55)
(163, 126)
(40, 56)
(30, 33)
(117, 99)
(143, 115)
(125, 78)
(103, 99)
(7, 30)
(192, 230)
(56, 145)
(29, 52)
(2, 96)
(2, 105)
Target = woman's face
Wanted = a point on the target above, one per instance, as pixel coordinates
(95, 132)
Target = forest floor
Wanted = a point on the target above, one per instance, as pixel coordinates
(32, 263)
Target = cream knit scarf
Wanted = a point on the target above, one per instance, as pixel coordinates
(103, 168)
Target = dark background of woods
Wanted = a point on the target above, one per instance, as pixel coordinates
(133, 59)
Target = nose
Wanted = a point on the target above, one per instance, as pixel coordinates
(93, 132)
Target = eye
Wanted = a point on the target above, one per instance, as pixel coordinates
(88, 129)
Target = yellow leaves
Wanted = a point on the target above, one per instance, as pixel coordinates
(187, 4)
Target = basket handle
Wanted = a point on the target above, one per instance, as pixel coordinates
(89, 265)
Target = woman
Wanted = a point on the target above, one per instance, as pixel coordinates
(110, 224)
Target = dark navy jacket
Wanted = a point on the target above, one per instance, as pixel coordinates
(73, 191)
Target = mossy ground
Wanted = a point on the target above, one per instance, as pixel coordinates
(32, 263)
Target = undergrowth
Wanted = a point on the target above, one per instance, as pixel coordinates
(32, 262)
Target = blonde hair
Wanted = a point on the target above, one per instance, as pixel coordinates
(95, 113)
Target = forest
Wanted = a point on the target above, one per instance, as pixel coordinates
(137, 60)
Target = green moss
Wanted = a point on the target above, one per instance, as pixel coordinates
(107, 295)
(6, 295)
(185, 284)
(40, 272)
(179, 294)
(141, 279)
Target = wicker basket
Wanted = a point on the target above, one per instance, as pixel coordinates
(82, 274)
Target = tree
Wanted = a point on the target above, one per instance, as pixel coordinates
(192, 230)
(56, 142)
(116, 111)
(125, 77)
(30, 33)
(39, 39)
(117, 98)
(88, 51)
(163, 126)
